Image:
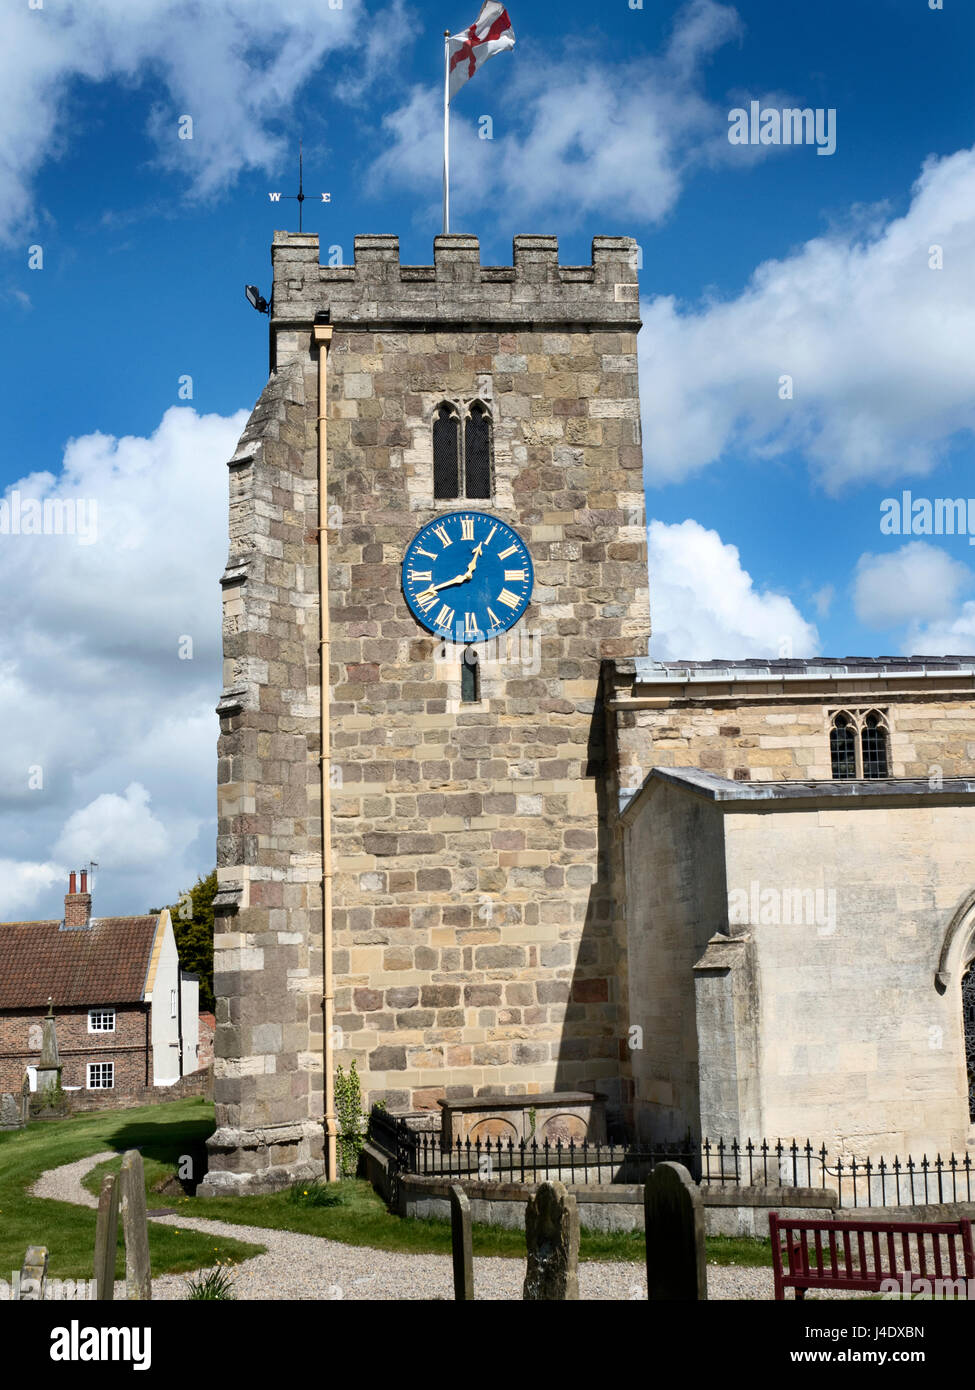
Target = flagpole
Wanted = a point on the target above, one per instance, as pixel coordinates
(446, 131)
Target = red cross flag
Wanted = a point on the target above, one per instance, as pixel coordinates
(490, 33)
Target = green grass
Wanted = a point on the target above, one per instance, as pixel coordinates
(349, 1212)
(68, 1230)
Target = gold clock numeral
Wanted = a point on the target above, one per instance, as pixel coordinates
(467, 528)
(417, 575)
(490, 536)
(503, 554)
(426, 599)
(512, 600)
(493, 617)
(445, 617)
(428, 553)
(515, 574)
(441, 531)
(470, 625)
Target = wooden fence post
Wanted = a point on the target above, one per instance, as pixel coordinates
(106, 1238)
(135, 1227)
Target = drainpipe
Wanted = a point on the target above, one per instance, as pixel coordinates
(322, 336)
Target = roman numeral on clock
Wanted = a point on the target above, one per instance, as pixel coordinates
(515, 574)
(417, 575)
(445, 617)
(493, 618)
(441, 531)
(428, 553)
(426, 599)
(470, 625)
(503, 554)
(512, 600)
(467, 528)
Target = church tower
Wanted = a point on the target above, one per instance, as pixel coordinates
(477, 431)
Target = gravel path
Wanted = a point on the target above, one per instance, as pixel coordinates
(311, 1267)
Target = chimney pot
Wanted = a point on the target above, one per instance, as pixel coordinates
(72, 885)
(84, 880)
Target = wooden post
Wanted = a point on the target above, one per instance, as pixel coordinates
(106, 1238)
(135, 1227)
(25, 1101)
(460, 1237)
(33, 1275)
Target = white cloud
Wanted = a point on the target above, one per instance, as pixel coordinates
(951, 636)
(704, 604)
(119, 832)
(916, 584)
(575, 130)
(95, 702)
(878, 347)
(22, 884)
(234, 66)
(823, 600)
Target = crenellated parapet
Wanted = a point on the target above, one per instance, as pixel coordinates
(377, 291)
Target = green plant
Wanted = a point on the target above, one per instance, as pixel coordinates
(315, 1194)
(348, 1105)
(532, 1118)
(214, 1283)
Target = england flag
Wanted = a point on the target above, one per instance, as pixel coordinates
(490, 33)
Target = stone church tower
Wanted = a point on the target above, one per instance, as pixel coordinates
(477, 941)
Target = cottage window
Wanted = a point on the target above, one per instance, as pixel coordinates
(101, 1020)
(101, 1076)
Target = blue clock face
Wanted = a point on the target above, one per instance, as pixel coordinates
(467, 576)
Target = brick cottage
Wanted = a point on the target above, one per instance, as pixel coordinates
(126, 1013)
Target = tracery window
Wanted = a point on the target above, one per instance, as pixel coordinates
(968, 1018)
(859, 744)
(462, 459)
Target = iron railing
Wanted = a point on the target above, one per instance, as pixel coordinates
(882, 1182)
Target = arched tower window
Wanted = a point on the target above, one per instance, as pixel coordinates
(477, 452)
(873, 743)
(446, 452)
(968, 1019)
(842, 746)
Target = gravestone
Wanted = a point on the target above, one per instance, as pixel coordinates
(460, 1237)
(552, 1235)
(11, 1111)
(49, 1063)
(106, 1238)
(33, 1275)
(676, 1260)
(135, 1227)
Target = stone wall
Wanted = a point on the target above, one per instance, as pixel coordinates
(796, 961)
(761, 731)
(478, 937)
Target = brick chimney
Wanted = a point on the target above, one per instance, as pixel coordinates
(77, 906)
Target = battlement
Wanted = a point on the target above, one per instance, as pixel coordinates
(457, 291)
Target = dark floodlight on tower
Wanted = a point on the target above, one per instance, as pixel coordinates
(255, 299)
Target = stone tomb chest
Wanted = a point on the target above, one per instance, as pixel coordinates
(557, 1115)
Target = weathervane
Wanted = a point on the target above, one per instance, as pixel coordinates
(298, 197)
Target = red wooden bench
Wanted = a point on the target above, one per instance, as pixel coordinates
(863, 1254)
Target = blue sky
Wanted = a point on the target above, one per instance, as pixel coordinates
(758, 262)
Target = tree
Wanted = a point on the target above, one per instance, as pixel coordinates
(192, 920)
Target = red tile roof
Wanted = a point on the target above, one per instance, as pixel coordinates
(104, 963)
